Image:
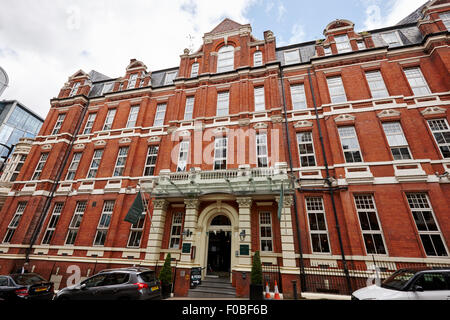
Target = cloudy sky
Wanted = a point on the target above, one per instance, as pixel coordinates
(43, 42)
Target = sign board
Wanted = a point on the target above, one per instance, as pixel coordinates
(186, 248)
(244, 250)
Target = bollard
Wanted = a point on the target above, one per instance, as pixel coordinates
(294, 285)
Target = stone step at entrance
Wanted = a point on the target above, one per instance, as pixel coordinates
(213, 287)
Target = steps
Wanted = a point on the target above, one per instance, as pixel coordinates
(213, 287)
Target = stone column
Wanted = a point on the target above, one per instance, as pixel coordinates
(245, 204)
(286, 232)
(156, 230)
(190, 223)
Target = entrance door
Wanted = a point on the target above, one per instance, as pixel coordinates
(219, 247)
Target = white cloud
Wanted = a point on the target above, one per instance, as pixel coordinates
(395, 11)
(43, 42)
(297, 34)
(281, 11)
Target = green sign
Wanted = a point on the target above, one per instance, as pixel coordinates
(244, 250)
(186, 248)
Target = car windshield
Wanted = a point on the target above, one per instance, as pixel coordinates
(27, 279)
(147, 276)
(398, 280)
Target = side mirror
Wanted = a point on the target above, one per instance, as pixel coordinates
(417, 288)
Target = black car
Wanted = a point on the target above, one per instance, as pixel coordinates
(115, 284)
(25, 286)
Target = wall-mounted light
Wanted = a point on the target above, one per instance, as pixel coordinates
(242, 235)
(186, 233)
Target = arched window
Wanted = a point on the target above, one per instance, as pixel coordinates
(257, 59)
(225, 62)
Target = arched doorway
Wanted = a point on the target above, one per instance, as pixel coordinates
(219, 246)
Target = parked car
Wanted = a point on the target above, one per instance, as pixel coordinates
(410, 284)
(115, 284)
(25, 286)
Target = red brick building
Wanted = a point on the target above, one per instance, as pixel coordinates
(364, 165)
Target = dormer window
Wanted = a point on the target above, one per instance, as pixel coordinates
(342, 43)
(327, 51)
(132, 81)
(170, 76)
(361, 45)
(257, 59)
(291, 57)
(74, 89)
(225, 61)
(194, 70)
(392, 39)
(445, 17)
(107, 87)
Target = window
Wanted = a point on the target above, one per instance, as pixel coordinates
(417, 82)
(342, 44)
(132, 117)
(445, 17)
(109, 119)
(136, 229)
(96, 158)
(391, 38)
(89, 123)
(73, 166)
(327, 51)
(220, 153)
(427, 227)
(223, 99)
(259, 99)
(434, 281)
(306, 149)
(150, 164)
(104, 222)
(257, 59)
(132, 81)
(107, 87)
(160, 115)
(19, 165)
(376, 84)
(441, 133)
(397, 141)
(120, 162)
(336, 89)
(75, 222)
(261, 150)
(298, 97)
(183, 156)
(265, 231)
(74, 90)
(189, 109)
(14, 222)
(370, 226)
(225, 61)
(350, 144)
(170, 76)
(58, 123)
(51, 227)
(291, 57)
(361, 45)
(175, 231)
(39, 166)
(317, 225)
(194, 70)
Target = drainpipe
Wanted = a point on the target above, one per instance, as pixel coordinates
(329, 184)
(50, 197)
(297, 225)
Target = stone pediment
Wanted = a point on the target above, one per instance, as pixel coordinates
(225, 26)
(388, 113)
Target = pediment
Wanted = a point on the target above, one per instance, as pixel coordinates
(433, 110)
(344, 118)
(388, 113)
(225, 26)
(79, 74)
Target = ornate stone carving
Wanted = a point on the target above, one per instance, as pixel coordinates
(154, 139)
(125, 140)
(433, 110)
(344, 118)
(303, 124)
(260, 125)
(100, 143)
(160, 204)
(287, 201)
(244, 202)
(244, 122)
(192, 203)
(388, 113)
(276, 118)
(46, 147)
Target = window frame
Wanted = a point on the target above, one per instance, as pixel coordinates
(136, 232)
(264, 144)
(189, 108)
(225, 63)
(73, 167)
(103, 223)
(307, 154)
(336, 89)
(291, 60)
(298, 97)
(342, 46)
(257, 58)
(315, 209)
(14, 222)
(96, 159)
(89, 123)
(75, 223)
(377, 86)
(40, 166)
(58, 123)
(160, 115)
(385, 36)
(223, 103)
(177, 221)
(195, 69)
(74, 89)
(109, 120)
(183, 155)
(397, 146)
(121, 161)
(258, 95)
(223, 159)
(151, 166)
(264, 224)
(442, 132)
(132, 81)
(419, 75)
(52, 223)
(352, 151)
(132, 116)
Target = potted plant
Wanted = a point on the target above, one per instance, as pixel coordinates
(256, 279)
(165, 277)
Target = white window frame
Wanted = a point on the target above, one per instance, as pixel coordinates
(175, 230)
(397, 140)
(52, 223)
(220, 147)
(257, 59)
(132, 117)
(350, 136)
(327, 51)
(262, 155)
(150, 163)
(12, 226)
(136, 231)
(104, 223)
(291, 56)
(121, 160)
(336, 90)
(73, 167)
(170, 77)
(445, 18)
(225, 59)
(40, 165)
(361, 45)
(58, 124)
(314, 207)
(259, 98)
(189, 108)
(365, 205)
(419, 206)
(392, 38)
(342, 43)
(132, 81)
(183, 155)
(298, 97)
(74, 89)
(265, 221)
(223, 103)
(194, 69)
(20, 162)
(376, 84)
(75, 222)
(95, 163)
(160, 115)
(107, 87)
(417, 81)
(109, 119)
(305, 142)
(89, 123)
(441, 131)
